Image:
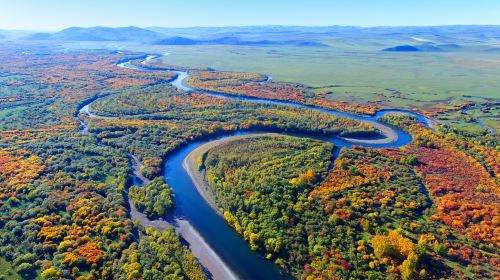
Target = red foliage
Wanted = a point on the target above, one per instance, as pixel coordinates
(361, 172)
(466, 194)
(276, 91)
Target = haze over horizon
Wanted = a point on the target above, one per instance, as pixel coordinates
(53, 15)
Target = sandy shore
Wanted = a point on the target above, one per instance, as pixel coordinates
(389, 133)
(208, 258)
(136, 166)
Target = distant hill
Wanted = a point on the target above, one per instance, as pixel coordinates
(136, 34)
(428, 47)
(37, 36)
(13, 34)
(176, 41)
(236, 41)
(394, 39)
(272, 30)
(403, 48)
(98, 33)
(492, 50)
(450, 46)
(2, 34)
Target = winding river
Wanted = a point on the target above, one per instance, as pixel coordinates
(222, 252)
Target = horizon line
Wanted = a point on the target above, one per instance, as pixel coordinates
(258, 25)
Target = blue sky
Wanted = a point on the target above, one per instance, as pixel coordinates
(58, 14)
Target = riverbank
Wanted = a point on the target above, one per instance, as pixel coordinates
(136, 169)
(389, 134)
(136, 214)
(207, 257)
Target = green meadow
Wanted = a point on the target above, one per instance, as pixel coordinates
(365, 74)
(357, 70)
(7, 272)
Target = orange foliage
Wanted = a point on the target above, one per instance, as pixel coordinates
(466, 194)
(91, 252)
(276, 91)
(110, 123)
(22, 168)
(306, 178)
(17, 170)
(322, 267)
(367, 109)
(52, 232)
(393, 245)
(220, 78)
(248, 84)
(341, 177)
(296, 115)
(198, 100)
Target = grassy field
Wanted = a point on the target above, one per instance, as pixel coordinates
(357, 71)
(398, 80)
(430, 76)
(7, 272)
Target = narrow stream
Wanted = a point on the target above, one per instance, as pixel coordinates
(218, 247)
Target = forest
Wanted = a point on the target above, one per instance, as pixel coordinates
(62, 206)
(155, 199)
(375, 214)
(425, 210)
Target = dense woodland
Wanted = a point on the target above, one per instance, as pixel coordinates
(62, 207)
(429, 209)
(377, 213)
(155, 199)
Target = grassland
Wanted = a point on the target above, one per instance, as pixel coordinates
(357, 71)
(397, 80)
(427, 76)
(7, 272)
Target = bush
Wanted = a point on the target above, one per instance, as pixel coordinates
(154, 200)
(410, 160)
(25, 269)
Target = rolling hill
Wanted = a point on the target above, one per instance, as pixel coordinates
(99, 33)
(238, 42)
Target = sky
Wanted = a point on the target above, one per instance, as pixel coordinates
(58, 14)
